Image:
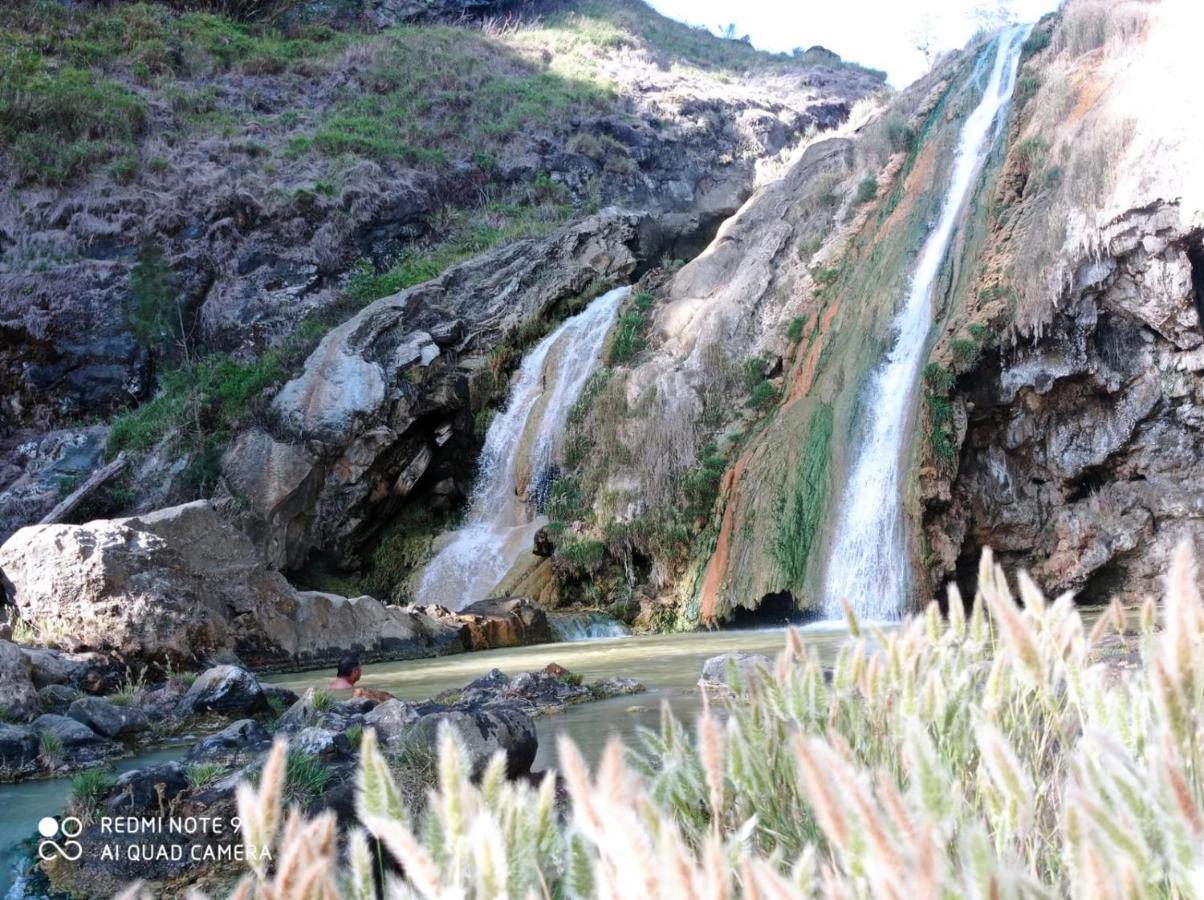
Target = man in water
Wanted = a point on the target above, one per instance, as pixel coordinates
(350, 671)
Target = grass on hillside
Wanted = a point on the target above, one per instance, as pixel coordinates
(75, 82)
(982, 754)
(71, 79)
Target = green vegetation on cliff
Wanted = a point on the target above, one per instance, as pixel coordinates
(802, 504)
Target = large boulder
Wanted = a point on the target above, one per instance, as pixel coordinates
(183, 583)
(320, 626)
(80, 744)
(107, 718)
(55, 698)
(483, 732)
(18, 696)
(112, 585)
(227, 690)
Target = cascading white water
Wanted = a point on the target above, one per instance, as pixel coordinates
(868, 561)
(586, 627)
(521, 449)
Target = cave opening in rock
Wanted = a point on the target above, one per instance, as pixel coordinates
(1103, 584)
(1088, 482)
(965, 575)
(774, 611)
(1195, 256)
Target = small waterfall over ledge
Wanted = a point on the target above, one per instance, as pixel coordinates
(587, 626)
(868, 560)
(519, 460)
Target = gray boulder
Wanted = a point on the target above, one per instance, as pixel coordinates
(81, 746)
(243, 736)
(108, 719)
(160, 702)
(228, 690)
(55, 698)
(300, 715)
(483, 732)
(92, 672)
(18, 696)
(113, 586)
(148, 790)
(321, 742)
(716, 671)
(392, 720)
(615, 686)
(18, 749)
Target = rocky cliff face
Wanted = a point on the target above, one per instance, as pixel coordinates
(1078, 433)
(272, 183)
(1057, 422)
(292, 289)
(711, 454)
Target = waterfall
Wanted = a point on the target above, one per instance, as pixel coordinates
(519, 461)
(868, 560)
(590, 626)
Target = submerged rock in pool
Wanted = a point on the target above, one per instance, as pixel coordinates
(717, 671)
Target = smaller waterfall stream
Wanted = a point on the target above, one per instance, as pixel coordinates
(587, 626)
(868, 560)
(518, 461)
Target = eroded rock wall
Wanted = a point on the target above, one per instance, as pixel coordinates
(1077, 427)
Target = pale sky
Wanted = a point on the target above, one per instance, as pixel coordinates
(875, 33)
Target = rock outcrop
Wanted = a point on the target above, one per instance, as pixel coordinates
(1079, 451)
(379, 399)
(1078, 431)
(181, 583)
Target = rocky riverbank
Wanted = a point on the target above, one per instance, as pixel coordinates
(185, 811)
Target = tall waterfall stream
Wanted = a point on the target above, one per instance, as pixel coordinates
(519, 460)
(868, 559)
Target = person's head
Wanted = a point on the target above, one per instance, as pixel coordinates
(350, 669)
